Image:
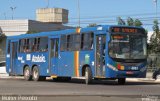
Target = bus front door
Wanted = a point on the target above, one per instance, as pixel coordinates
(100, 55)
(13, 58)
(54, 51)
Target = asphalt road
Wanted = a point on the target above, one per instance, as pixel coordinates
(21, 90)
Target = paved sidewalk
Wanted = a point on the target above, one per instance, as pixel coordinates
(6, 76)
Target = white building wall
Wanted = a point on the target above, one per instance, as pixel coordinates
(14, 27)
(17, 27)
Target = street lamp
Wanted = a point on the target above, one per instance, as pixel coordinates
(12, 8)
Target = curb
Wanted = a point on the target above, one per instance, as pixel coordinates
(6, 76)
(143, 79)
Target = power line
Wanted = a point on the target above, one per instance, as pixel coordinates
(111, 16)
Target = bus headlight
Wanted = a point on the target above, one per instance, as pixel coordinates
(143, 69)
(112, 67)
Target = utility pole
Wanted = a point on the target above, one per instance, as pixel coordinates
(12, 8)
(78, 8)
(155, 2)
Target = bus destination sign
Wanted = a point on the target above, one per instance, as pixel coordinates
(125, 30)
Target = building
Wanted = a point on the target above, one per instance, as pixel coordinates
(54, 15)
(47, 19)
(17, 27)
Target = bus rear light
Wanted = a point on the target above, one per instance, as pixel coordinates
(120, 67)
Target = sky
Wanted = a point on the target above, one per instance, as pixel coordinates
(91, 11)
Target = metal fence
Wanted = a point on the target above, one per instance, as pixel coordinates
(153, 62)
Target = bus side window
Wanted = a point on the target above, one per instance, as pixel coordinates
(54, 47)
(87, 41)
(63, 46)
(26, 45)
(22, 47)
(8, 48)
(68, 42)
(76, 42)
(31, 44)
(57, 43)
(43, 44)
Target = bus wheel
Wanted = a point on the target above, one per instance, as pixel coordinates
(27, 74)
(88, 75)
(35, 74)
(121, 81)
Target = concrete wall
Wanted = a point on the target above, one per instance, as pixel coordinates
(55, 15)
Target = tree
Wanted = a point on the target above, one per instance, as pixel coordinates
(2, 37)
(155, 38)
(130, 21)
(32, 32)
(121, 21)
(138, 23)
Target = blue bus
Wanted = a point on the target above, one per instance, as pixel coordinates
(100, 52)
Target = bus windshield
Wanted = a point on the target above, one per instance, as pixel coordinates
(128, 46)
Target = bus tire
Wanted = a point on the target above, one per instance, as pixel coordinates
(27, 74)
(88, 76)
(36, 74)
(121, 81)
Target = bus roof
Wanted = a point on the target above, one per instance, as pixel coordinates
(66, 31)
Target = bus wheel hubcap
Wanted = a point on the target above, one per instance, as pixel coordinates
(35, 74)
(86, 75)
(27, 73)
